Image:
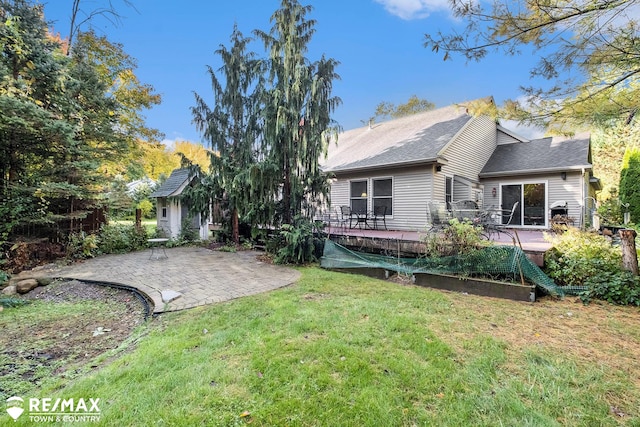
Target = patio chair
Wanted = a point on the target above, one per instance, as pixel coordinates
(379, 214)
(346, 215)
(438, 216)
(505, 217)
(465, 210)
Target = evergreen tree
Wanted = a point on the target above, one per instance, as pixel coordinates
(231, 129)
(630, 182)
(33, 130)
(297, 113)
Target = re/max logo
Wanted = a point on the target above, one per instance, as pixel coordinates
(49, 405)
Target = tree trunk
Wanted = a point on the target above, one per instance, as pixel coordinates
(629, 254)
(235, 226)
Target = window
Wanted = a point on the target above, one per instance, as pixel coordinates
(164, 212)
(383, 194)
(359, 196)
(448, 190)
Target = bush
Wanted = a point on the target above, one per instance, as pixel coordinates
(611, 212)
(577, 256)
(296, 243)
(459, 238)
(120, 238)
(617, 288)
(187, 232)
(82, 245)
(4, 277)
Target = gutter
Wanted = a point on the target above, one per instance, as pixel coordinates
(437, 161)
(578, 168)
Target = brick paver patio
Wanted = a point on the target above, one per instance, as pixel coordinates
(201, 275)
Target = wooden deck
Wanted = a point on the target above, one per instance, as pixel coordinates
(532, 242)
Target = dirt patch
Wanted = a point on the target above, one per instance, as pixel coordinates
(77, 323)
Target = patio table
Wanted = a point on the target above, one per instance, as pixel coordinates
(157, 245)
(361, 218)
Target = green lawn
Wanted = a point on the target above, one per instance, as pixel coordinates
(344, 350)
(149, 224)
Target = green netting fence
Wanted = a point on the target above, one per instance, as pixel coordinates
(506, 262)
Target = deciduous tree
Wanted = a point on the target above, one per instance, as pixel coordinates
(414, 105)
(587, 49)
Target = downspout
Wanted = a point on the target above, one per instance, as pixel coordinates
(582, 200)
(433, 178)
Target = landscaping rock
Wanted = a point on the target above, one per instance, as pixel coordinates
(169, 295)
(24, 286)
(9, 290)
(44, 281)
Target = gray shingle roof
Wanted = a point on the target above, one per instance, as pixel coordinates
(172, 186)
(408, 140)
(539, 155)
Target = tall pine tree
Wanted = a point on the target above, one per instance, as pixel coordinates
(298, 104)
(231, 128)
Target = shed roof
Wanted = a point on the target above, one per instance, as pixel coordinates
(174, 185)
(539, 156)
(418, 138)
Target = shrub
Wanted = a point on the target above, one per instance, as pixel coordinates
(577, 256)
(620, 287)
(611, 212)
(119, 238)
(461, 237)
(4, 277)
(296, 243)
(187, 232)
(82, 245)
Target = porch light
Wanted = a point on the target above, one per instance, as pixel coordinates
(563, 175)
(494, 192)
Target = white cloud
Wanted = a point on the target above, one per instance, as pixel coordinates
(413, 9)
(529, 132)
(169, 143)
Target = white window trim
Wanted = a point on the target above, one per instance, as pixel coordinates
(393, 198)
(521, 207)
(368, 193)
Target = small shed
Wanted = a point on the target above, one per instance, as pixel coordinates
(172, 213)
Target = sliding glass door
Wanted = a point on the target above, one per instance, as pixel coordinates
(511, 194)
(532, 203)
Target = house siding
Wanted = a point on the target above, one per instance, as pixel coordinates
(467, 155)
(411, 191)
(461, 190)
(339, 193)
(503, 138)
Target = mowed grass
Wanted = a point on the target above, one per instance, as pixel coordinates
(345, 350)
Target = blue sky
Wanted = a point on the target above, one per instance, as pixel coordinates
(379, 44)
